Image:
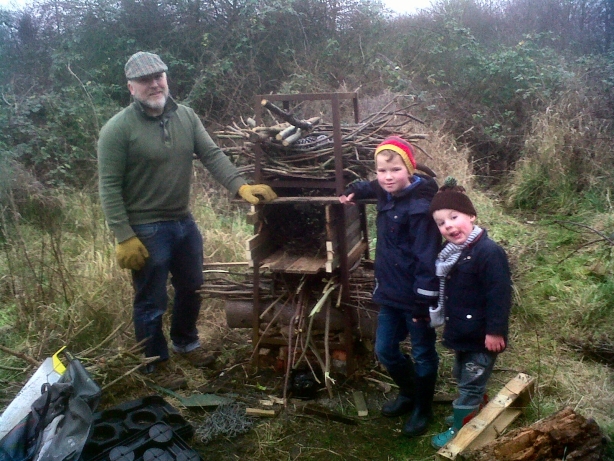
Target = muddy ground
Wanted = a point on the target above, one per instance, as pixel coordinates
(313, 427)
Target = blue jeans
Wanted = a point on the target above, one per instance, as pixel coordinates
(393, 326)
(174, 247)
(472, 371)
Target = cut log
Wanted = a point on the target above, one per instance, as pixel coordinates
(239, 315)
(563, 435)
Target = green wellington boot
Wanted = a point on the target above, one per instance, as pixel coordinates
(450, 418)
(461, 417)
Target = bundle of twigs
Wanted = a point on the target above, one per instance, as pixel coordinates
(108, 362)
(235, 285)
(304, 149)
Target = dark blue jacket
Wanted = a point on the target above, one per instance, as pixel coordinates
(478, 296)
(407, 245)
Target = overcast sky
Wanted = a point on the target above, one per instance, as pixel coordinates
(403, 6)
(400, 6)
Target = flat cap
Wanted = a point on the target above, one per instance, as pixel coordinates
(143, 63)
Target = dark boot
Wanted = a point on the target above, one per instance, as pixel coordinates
(423, 410)
(403, 376)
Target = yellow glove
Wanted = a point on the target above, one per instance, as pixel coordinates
(248, 193)
(131, 254)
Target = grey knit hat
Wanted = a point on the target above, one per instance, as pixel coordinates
(143, 63)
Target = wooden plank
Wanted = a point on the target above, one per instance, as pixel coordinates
(361, 405)
(278, 261)
(306, 265)
(259, 412)
(353, 234)
(253, 217)
(353, 256)
(259, 246)
(224, 264)
(316, 200)
(352, 217)
(331, 228)
(256, 240)
(499, 413)
(492, 431)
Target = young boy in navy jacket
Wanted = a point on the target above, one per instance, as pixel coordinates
(475, 296)
(405, 282)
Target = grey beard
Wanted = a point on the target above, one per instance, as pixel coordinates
(155, 106)
(158, 106)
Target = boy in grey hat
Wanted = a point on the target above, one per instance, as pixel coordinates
(145, 155)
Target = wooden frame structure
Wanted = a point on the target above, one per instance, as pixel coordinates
(344, 245)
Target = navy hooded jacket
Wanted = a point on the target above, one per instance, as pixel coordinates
(478, 296)
(408, 242)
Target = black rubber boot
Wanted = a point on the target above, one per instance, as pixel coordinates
(403, 376)
(398, 407)
(418, 422)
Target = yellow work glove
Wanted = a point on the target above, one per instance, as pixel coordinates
(131, 254)
(248, 193)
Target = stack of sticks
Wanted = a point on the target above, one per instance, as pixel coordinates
(304, 149)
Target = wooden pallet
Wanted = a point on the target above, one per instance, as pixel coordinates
(499, 413)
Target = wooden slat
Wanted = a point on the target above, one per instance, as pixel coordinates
(352, 218)
(492, 419)
(259, 412)
(253, 217)
(306, 265)
(361, 405)
(353, 233)
(259, 246)
(278, 261)
(353, 256)
(258, 239)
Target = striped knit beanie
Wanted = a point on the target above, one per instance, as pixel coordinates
(451, 196)
(401, 147)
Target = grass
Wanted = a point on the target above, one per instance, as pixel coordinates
(61, 286)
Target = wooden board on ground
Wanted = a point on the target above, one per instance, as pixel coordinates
(499, 413)
(259, 412)
(361, 405)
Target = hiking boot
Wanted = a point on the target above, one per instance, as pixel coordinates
(198, 358)
(162, 375)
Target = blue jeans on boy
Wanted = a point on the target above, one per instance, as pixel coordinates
(393, 326)
(472, 371)
(174, 247)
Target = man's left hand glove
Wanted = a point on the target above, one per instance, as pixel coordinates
(248, 193)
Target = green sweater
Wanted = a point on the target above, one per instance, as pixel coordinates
(145, 166)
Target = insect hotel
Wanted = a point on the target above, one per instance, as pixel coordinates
(307, 295)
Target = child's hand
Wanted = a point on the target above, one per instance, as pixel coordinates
(347, 199)
(495, 343)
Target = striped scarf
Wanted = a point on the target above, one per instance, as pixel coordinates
(447, 258)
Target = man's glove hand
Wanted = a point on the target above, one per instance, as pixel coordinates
(248, 193)
(131, 254)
